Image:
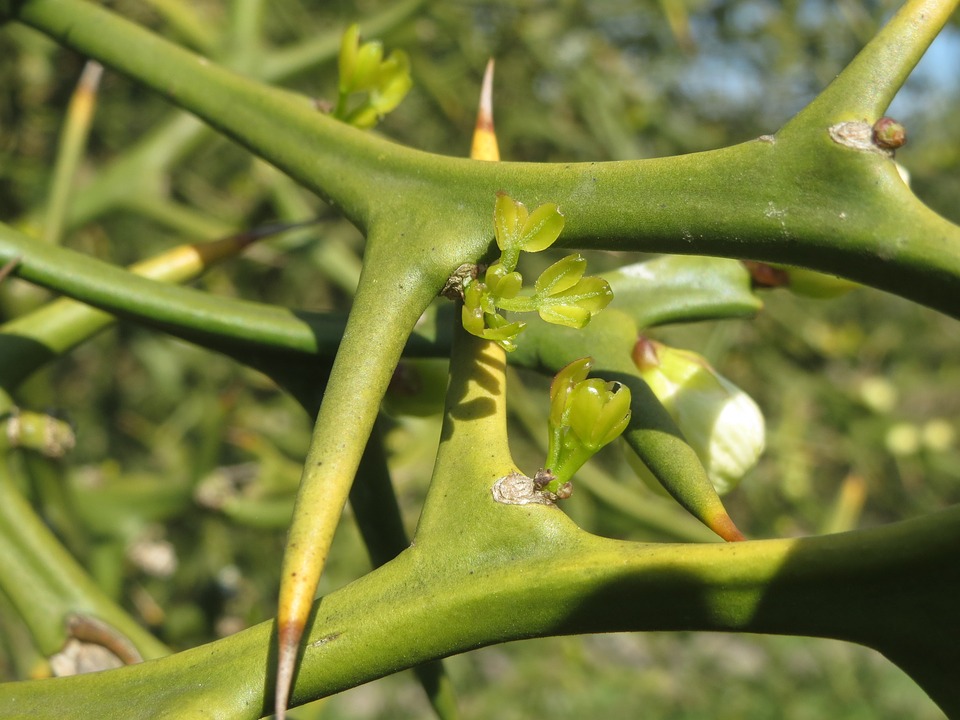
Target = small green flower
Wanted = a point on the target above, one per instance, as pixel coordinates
(560, 389)
(585, 415)
(599, 412)
(359, 64)
(349, 55)
(561, 276)
(562, 295)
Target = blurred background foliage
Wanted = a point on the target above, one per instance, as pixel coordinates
(179, 489)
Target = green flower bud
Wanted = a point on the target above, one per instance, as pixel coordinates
(721, 423)
(889, 134)
(477, 295)
(367, 67)
(502, 284)
(599, 412)
(349, 48)
(561, 387)
(585, 415)
(475, 298)
(480, 317)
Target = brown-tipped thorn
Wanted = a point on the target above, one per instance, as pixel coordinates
(271, 229)
(723, 526)
(484, 138)
(211, 252)
(288, 649)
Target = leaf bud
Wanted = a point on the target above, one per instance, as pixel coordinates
(889, 134)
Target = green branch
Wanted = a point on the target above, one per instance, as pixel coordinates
(529, 572)
(869, 83)
(797, 198)
(46, 584)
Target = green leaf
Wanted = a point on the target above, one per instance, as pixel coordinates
(683, 288)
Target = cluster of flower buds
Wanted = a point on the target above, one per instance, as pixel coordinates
(561, 295)
(363, 69)
(720, 421)
(585, 414)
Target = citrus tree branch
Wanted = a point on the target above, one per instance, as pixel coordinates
(868, 84)
(532, 573)
(798, 198)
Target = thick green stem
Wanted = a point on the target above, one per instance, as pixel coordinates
(797, 198)
(868, 84)
(27, 342)
(529, 572)
(391, 297)
(377, 513)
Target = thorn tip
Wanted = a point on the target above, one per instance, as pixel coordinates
(484, 138)
(288, 647)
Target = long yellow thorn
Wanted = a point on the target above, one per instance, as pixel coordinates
(298, 588)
